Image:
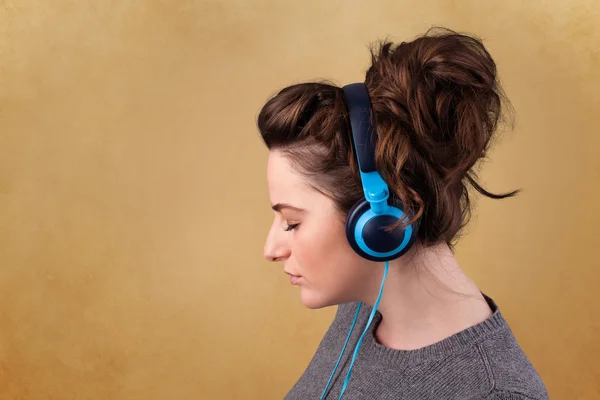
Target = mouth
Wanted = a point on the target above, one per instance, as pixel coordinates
(293, 278)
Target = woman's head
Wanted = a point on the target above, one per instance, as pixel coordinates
(308, 236)
(436, 104)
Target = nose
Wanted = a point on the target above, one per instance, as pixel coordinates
(274, 252)
(275, 247)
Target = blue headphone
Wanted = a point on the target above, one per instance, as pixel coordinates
(367, 217)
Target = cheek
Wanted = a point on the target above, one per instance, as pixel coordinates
(334, 273)
(323, 255)
(314, 251)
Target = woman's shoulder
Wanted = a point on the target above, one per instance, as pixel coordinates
(510, 370)
(507, 366)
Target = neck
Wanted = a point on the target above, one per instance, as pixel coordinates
(426, 298)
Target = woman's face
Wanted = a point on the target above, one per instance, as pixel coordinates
(308, 236)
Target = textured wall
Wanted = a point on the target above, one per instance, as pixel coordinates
(134, 206)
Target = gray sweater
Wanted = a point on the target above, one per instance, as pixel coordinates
(483, 361)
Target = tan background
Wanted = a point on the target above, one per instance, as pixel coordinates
(134, 205)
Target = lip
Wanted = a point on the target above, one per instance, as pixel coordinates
(293, 278)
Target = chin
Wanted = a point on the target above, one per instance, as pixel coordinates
(314, 301)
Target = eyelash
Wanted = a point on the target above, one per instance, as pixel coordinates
(291, 227)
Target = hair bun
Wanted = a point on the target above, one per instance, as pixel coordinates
(437, 103)
(442, 91)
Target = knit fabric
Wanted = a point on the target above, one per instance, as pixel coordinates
(482, 362)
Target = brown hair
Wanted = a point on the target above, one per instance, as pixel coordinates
(437, 103)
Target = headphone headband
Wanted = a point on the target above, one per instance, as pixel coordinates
(359, 110)
(363, 135)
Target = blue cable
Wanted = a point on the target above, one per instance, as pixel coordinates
(385, 271)
(373, 311)
(343, 349)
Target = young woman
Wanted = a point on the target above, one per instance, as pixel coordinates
(434, 105)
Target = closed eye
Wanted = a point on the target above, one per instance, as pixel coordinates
(291, 227)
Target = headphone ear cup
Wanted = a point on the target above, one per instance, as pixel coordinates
(354, 214)
(374, 237)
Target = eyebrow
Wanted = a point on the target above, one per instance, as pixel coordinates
(280, 206)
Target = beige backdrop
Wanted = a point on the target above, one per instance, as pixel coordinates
(134, 205)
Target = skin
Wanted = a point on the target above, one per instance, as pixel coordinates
(426, 296)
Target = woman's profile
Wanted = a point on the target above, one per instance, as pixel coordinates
(409, 323)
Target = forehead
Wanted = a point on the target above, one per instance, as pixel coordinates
(282, 179)
(286, 185)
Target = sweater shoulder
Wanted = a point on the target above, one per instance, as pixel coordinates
(512, 374)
